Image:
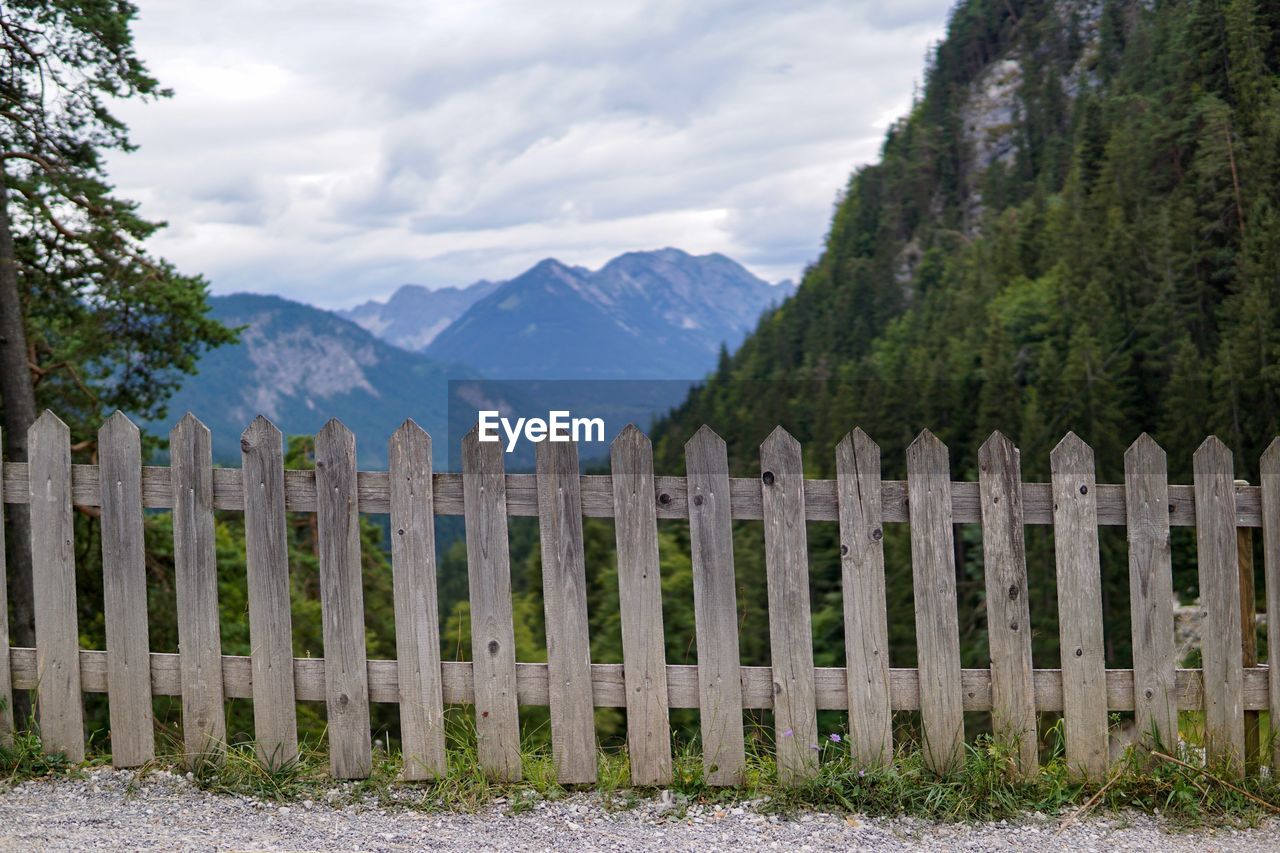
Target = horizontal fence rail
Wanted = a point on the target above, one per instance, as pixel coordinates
(1227, 690)
(373, 491)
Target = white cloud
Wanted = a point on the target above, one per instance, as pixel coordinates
(331, 151)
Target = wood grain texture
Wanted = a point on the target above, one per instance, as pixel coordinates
(413, 568)
(1248, 639)
(640, 605)
(204, 728)
(597, 496)
(1004, 560)
(342, 603)
(934, 581)
(1270, 483)
(60, 710)
(715, 606)
(275, 721)
(124, 593)
(866, 623)
(1151, 592)
(786, 557)
(1075, 539)
(1220, 596)
(6, 677)
(564, 596)
(493, 644)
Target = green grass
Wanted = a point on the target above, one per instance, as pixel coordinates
(983, 788)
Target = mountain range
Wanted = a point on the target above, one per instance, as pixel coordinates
(644, 315)
(659, 315)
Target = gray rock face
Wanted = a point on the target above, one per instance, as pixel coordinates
(300, 365)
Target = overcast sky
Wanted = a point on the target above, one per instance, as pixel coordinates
(331, 151)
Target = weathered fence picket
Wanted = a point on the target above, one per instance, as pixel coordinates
(6, 674)
(493, 642)
(866, 614)
(1270, 483)
(275, 722)
(342, 603)
(1146, 482)
(204, 725)
(933, 571)
(1079, 568)
(715, 608)
(1013, 706)
(640, 605)
(564, 595)
(719, 686)
(413, 569)
(58, 701)
(786, 555)
(1220, 595)
(124, 593)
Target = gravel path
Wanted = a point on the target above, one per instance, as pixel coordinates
(108, 810)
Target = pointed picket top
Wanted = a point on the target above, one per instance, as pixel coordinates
(857, 441)
(1270, 462)
(631, 436)
(1212, 449)
(335, 430)
(261, 432)
(1144, 447)
(705, 438)
(189, 425)
(411, 431)
(926, 439)
(780, 441)
(1071, 448)
(927, 447)
(117, 425)
(997, 444)
(48, 422)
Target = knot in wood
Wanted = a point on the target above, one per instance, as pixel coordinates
(246, 445)
(1084, 490)
(1079, 653)
(697, 500)
(844, 550)
(768, 478)
(877, 535)
(1013, 592)
(664, 498)
(493, 647)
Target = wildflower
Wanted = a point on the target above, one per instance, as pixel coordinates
(835, 737)
(862, 773)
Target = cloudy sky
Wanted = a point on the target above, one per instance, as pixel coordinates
(331, 151)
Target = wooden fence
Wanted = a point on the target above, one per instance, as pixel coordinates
(868, 688)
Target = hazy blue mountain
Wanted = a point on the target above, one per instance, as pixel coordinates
(644, 315)
(300, 366)
(414, 314)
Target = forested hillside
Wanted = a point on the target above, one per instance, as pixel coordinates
(1077, 227)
